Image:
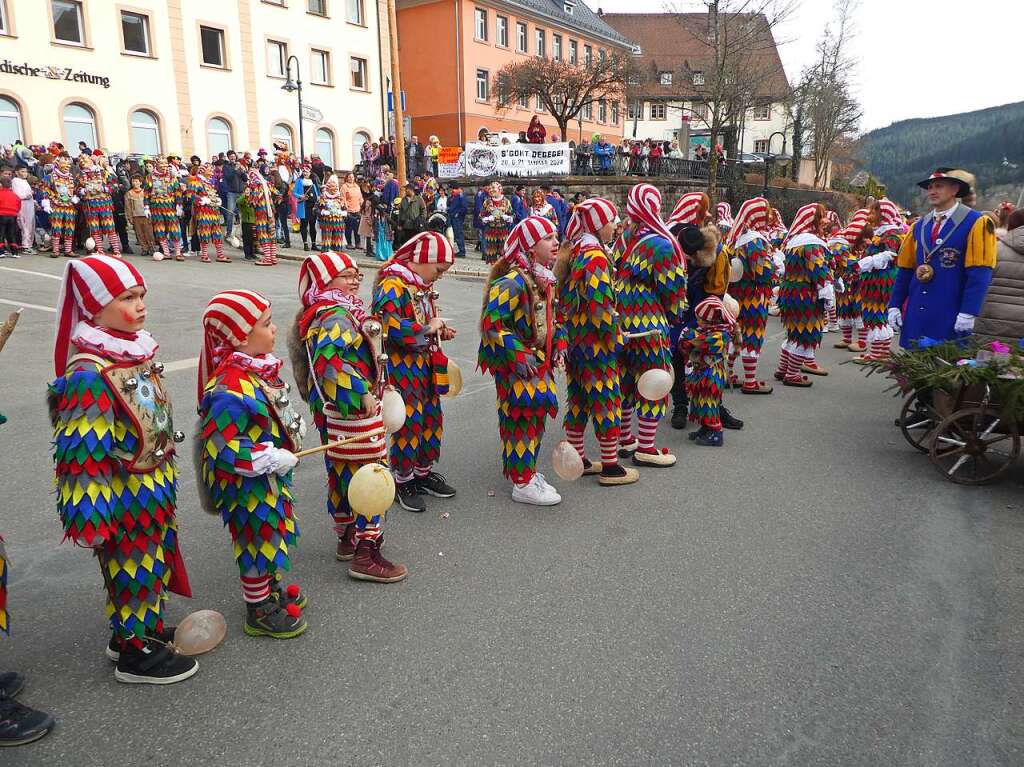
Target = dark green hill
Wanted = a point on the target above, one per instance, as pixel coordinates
(905, 152)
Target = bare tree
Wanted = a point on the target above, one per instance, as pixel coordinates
(563, 89)
(831, 113)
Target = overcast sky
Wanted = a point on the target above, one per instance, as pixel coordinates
(902, 47)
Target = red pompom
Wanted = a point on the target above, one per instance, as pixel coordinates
(293, 610)
(293, 591)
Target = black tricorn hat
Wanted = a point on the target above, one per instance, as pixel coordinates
(947, 173)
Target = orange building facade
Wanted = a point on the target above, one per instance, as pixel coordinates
(450, 51)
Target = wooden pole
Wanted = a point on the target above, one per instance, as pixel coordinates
(396, 96)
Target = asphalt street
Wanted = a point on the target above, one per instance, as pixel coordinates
(813, 593)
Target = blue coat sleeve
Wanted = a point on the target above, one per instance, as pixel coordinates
(975, 287)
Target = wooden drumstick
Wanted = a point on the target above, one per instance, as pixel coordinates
(8, 327)
(339, 443)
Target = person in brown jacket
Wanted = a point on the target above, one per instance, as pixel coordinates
(136, 211)
(1002, 313)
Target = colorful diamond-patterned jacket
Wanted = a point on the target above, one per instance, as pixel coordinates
(806, 273)
(706, 348)
(114, 459)
(876, 283)
(240, 413)
(845, 268)
(342, 360)
(651, 285)
(753, 289)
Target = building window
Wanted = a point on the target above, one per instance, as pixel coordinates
(588, 111)
(213, 46)
(700, 110)
(67, 21)
(569, 6)
(635, 110)
(359, 78)
(524, 102)
(10, 121)
(145, 133)
(658, 110)
(79, 125)
(483, 86)
(556, 47)
(317, 7)
(135, 32)
(320, 67)
(761, 146)
(588, 56)
(762, 112)
(540, 104)
(602, 56)
(665, 78)
(5, 28)
(539, 38)
(602, 111)
(501, 30)
(354, 11)
(615, 113)
(218, 135)
(277, 58)
(698, 78)
(480, 28)
(358, 139)
(323, 144)
(520, 37)
(281, 132)
(573, 52)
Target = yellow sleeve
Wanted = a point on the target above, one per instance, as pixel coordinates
(981, 244)
(907, 258)
(716, 282)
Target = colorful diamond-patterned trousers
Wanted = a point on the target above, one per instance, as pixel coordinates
(339, 475)
(637, 357)
(523, 409)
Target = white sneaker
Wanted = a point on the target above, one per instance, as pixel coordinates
(535, 493)
(544, 482)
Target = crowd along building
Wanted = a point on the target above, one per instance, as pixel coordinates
(194, 76)
(450, 51)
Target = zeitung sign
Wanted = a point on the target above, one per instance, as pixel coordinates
(516, 159)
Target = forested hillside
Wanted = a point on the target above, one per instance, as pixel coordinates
(905, 152)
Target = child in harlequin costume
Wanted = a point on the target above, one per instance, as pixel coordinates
(338, 370)
(114, 455)
(878, 275)
(98, 205)
(651, 298)
(331, 220)
(206, 215)
(751, 254)
(60, 202)
(706, 345)
(846, 247)
(404, 298)
(163, 196)
(497, 218)
(804, 291)
(776, 236)
(832, 227)
(519, 345)
(723, 219)
(248, 433)
(588, 313)
(260, 198)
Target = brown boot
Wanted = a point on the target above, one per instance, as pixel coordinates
(369, 565)
(347, 543)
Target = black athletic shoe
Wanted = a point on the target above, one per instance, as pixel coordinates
(710, 438)
(155, 663)
(11, 683)
(113, 650)
(408, 495)
(20, 724)
(269, 618)
(434, 484)
(729, 421)
(679, 417)
(695, 435)
(283, 593)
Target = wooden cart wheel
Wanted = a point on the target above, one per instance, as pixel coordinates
(974, 446)
(917, 421)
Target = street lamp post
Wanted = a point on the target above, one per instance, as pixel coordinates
(769, 158)
(290, 86)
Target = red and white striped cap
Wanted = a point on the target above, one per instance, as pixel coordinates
(589, 217)
(691, 208)
(88, 285)
(228, 320)
(318, 269)
(723, 214)
(889, 212)
(752, 215)
(805, 219)
(426, 248)
(643, 204)
(858, 222)
(712, 310)
(526, 234)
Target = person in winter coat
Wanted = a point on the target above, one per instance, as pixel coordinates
(604, 152)
(536, 132)
(1002, 313)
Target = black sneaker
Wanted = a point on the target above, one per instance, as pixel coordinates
(408, 495)
(155, 663)
(695, 435)
(710, 438)
(11, 683)
(434, 484)
(113, 651)
(269, 618)
(729, 421)
(679, 418)
(20, 724)
(284, 594)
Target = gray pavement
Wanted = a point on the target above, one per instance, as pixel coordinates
(811, 594)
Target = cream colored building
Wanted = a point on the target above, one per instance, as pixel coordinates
(193, 76)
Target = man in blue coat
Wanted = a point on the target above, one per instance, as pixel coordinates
(457, 210)
(945, 265)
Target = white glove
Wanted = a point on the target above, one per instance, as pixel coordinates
(178, 211)
(780, 262)
(204, 200)
(735, 270)
(74, 199)
(840, 286)
(895, 318)
(281, 461)
(882, 260)
(47, 205)
(508, 218)
(964, 323)
(867, 263)
(145, 211)
(827, 292)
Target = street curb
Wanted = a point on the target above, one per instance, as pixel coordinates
(465, 272)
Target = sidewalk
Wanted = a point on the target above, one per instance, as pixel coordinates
(470, 267)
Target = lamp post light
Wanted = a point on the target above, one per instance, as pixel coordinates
(770, 158)
(290, 86)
